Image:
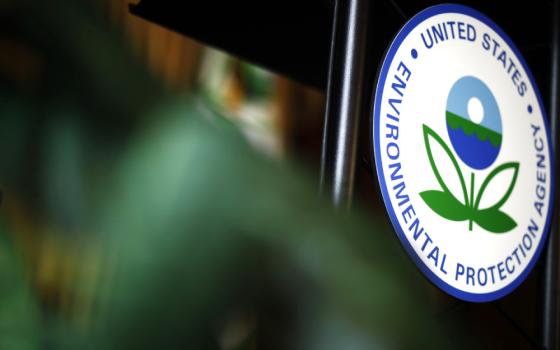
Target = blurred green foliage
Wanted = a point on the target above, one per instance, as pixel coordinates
(197, 242)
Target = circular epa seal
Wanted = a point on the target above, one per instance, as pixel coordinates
(463, 152)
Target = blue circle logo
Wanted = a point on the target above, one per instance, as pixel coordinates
(474, 123)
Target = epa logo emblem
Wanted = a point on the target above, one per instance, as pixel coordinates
(462, 152)
(474, 127)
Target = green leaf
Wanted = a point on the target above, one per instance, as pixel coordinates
(446, 205)
(431, 134)
(494, 220)
(491, 176)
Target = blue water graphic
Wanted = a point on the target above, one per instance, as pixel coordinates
(473, 152)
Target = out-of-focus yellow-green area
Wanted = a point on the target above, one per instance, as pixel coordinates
(150, 201)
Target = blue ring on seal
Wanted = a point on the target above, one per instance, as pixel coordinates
(395, 45)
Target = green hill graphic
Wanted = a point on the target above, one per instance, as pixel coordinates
(482, 133)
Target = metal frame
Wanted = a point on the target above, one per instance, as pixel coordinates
(344, 100)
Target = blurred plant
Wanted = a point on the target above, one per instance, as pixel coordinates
(163, 229)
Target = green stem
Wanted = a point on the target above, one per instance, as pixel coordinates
(471, 204)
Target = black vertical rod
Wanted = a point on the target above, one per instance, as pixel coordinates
(344, 100)
(550, 287)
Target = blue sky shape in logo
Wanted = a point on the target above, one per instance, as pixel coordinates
(477, 142)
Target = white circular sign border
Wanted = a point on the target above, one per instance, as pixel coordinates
(375, 119)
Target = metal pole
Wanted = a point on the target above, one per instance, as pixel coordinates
(344, 100)
(550, 287)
